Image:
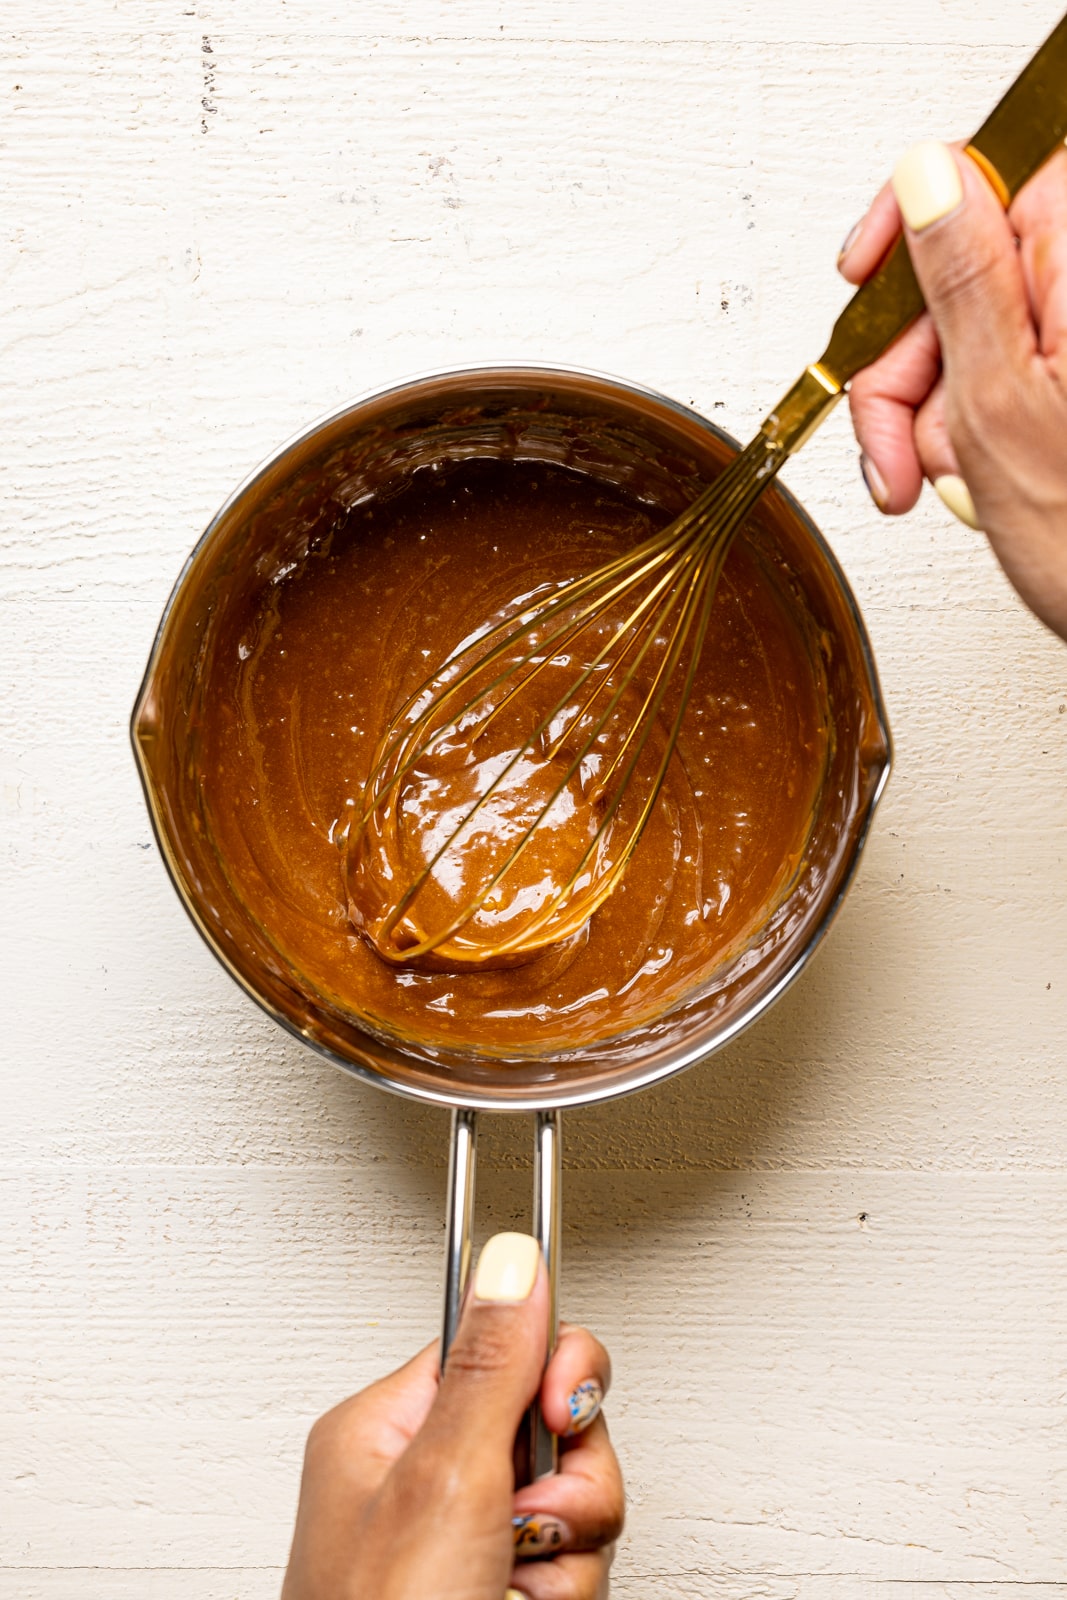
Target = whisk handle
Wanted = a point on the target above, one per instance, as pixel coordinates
(1017, 138)
(1028, 122)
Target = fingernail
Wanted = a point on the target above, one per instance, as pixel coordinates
(515, 1594)
(507, 1268)
(876, 486)
(584, 1405)
(850, 239)
(927, 184)
(537, 1536)
(956, 495)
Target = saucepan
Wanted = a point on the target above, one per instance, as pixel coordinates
(625, 436)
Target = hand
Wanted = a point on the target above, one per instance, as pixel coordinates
(408, 1488)
(974, 396)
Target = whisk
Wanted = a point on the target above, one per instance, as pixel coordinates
(565, 787)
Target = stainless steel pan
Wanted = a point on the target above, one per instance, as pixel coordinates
(624, 435)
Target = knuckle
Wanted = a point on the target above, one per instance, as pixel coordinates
(610, 1516)
(592, 1582)
(863, 386)
(486, 1346)
(567, 1578)
(980, 417)
(932, 438)
(863, 392)
(335, 1443)
(439, 1478)
(323, 1437)
(604, 1512)
(327, 1451)
(878, 418)
(581, 1351)
(960, 276)
(616, 1517)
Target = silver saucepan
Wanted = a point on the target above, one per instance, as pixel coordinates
(623, 435)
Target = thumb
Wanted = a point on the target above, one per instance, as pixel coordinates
(447, 1505)
(497, 1359)
(963, 250)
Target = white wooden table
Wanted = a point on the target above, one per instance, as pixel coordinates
(832, 1262)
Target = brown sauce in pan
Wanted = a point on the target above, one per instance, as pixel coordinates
(308, 671)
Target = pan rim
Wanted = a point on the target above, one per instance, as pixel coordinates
(571, 1091)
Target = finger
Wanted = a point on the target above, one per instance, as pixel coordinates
(454, 1482)
(963, 250)
(351, 1449)
(494, 1367)
(403, 1398)
(569, 1577)
(866, 247)
(884, 399)
(576, 1380)
(940, 463)
(581, 1507)
(1039, 217)
(868, 242)
(356, 1442)
(933, 444)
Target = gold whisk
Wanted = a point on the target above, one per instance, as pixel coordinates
(593, 734)
(667, 584)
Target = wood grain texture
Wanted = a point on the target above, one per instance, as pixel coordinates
(831, 1263)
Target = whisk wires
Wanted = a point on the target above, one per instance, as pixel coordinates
(678, 570)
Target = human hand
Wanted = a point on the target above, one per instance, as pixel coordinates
(974, 396)
(408, 1488)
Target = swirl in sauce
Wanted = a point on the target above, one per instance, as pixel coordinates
(310, 672)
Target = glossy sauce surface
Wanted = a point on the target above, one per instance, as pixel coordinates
(308, 672)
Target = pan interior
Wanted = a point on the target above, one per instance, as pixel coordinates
(625, 439)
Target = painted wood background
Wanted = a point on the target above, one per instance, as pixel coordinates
(832, 1262)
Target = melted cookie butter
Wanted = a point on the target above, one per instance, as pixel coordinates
(507, 797)
(310, 671)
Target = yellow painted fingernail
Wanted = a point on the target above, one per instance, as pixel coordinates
(507, 1268)
(956, 495)
(515, 1594)
(927, 184)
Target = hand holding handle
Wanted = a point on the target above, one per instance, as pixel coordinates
(536, 1446)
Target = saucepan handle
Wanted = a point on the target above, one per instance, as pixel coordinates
(536, 1447)
(543, 1447)
(459, 1224)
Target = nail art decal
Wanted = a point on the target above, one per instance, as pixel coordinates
(536, 1536)
(584, 1405)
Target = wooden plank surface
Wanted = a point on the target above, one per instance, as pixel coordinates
(832, 1262)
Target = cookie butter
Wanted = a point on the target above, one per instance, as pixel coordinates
(310, 667)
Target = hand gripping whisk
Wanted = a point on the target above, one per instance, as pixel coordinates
(511, 790)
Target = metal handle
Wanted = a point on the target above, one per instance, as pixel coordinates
(460, 1223)
(543, 1446)
(536, 1446)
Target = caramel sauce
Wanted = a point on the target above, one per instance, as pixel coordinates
(310, 667)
